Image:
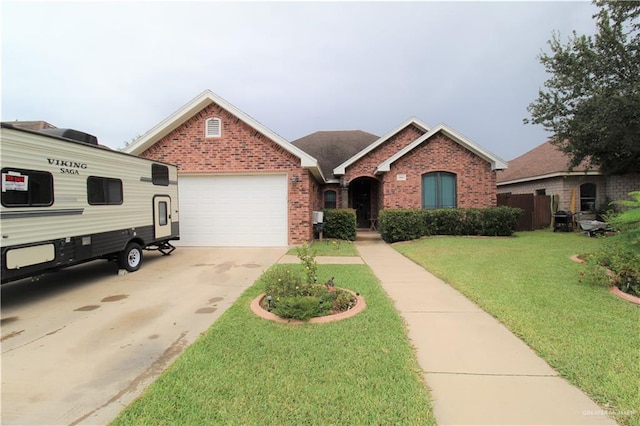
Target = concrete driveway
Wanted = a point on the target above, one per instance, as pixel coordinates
(80, 344)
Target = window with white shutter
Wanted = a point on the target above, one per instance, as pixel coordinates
(213, 128)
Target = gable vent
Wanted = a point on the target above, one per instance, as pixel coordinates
(213, 128)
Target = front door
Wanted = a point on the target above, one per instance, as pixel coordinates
(362, 201)
(162, 216)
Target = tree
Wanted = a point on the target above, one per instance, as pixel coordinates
(591, 103)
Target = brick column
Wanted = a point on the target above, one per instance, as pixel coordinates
(344, 195)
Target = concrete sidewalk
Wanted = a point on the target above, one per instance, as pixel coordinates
(478, 372)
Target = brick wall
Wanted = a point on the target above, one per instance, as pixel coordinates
(476, 182)
(367, 165)
(240, 149)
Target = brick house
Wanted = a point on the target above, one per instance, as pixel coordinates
(243, 185)
(545, 171)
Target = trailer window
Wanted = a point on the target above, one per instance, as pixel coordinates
(101, 190)
(160, 174)
(26, 188)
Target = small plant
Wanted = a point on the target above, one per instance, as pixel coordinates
(281, 281)
(307, 256)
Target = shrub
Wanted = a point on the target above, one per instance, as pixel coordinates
(403, 225)
(340, 224)
(500, 221)
(300, 307)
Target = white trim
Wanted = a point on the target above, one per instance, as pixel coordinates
(204, 99)
(496, 162)
(549, 176)
(215, 130)
(341, 169)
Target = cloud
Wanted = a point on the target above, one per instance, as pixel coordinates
(116, 69)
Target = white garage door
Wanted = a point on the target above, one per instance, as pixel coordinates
(237, 210)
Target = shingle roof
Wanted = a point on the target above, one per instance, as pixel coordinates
(331, 148)
(543, 161)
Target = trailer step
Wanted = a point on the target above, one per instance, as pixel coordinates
(166, 248)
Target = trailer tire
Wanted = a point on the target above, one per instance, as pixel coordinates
(131, 257)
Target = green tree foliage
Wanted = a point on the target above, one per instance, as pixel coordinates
(591, 102)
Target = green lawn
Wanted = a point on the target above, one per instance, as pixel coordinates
(330, 247)
(248, 371)
(529, 283)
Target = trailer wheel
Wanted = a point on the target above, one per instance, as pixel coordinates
(131, 257)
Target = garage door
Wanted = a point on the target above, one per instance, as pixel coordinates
(238, 210)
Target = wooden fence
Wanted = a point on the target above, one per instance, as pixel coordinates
(537, 209)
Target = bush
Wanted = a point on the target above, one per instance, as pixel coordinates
(340, 224)
(500, 221)
(301, 307)
(404, 225)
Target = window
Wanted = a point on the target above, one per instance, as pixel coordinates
(330, 200)
(213, 128)
(101, 190)
(160, 174)
(541, 191)
(438, 190)
(162, 213)
(587, 197)
(26, 188)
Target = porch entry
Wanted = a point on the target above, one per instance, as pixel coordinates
(365, 200)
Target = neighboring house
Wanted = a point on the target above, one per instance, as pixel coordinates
(243, 185)
(545, 171)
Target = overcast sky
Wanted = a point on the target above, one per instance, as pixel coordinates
(116, 69)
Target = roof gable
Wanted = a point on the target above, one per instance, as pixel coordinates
(541, 162)
(198, 103)
(341, 169)
(496, 162)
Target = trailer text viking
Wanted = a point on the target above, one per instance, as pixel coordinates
(67, 200)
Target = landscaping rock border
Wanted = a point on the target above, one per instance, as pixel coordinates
(613, 289)
(262, 313)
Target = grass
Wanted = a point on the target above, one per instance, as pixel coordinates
(248, 371)
(529, 283)
(330, 247)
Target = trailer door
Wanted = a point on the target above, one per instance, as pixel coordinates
(162, 216)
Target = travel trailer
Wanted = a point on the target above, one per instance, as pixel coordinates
(67, 200)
